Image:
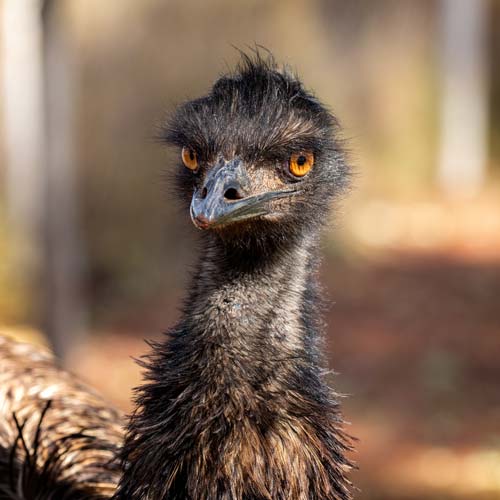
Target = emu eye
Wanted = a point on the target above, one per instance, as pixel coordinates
(189, 158)
(301, 163)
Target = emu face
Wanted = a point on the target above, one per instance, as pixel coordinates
(258, 152)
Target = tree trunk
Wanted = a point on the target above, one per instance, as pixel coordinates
(464, 102)
(63, 255)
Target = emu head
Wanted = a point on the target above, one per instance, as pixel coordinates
(259, 159)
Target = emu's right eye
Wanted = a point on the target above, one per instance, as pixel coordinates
(189, 158)
(300, 163)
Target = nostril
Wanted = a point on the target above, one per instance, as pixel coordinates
(232, 194)
(203, 193)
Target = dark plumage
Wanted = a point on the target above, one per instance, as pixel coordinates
(235, 406)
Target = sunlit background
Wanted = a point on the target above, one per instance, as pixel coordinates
(94, 252)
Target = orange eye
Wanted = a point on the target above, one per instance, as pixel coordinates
(301, 163)
(189, 158)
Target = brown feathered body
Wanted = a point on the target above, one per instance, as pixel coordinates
(58, 438)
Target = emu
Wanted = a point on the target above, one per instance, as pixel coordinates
(59, 439)
(235, 405)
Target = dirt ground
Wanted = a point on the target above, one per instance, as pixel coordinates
(416, 339)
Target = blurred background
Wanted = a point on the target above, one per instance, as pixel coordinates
(94, 252)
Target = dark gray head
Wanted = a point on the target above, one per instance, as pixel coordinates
(261, 159)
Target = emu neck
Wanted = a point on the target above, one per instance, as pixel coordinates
(235, 407)
(254, 306)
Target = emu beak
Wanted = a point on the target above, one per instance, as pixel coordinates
(223, 197)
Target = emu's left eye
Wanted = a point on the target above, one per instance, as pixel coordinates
(189, 158)
(301, 163)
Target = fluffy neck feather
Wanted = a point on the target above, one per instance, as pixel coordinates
(236, 407)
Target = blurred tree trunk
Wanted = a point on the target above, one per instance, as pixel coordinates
(63, 256)
(464, 108)
(23, 114)
(40, 179)
(23, 109)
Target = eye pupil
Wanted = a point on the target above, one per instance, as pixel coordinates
(191, 155)
(301, 160)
